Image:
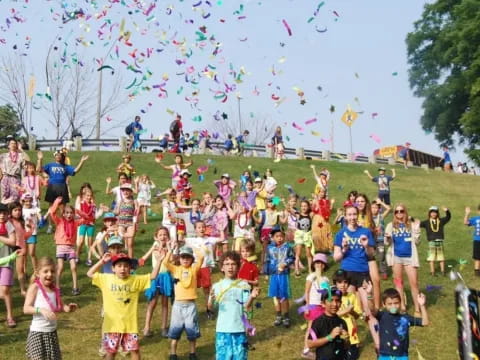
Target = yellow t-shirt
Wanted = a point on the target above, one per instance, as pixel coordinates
(186, 286)
(260, 200)
(347, 300)
(120, 301)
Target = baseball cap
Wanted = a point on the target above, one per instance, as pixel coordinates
(126, 186)
(26, 196)
(258, 179)
(109, 216)
(382, 169)
(115, 240)
(186, 251)
(226, 175)
(121, 257)
(433, 208)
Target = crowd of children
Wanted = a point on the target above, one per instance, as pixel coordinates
(220, 230)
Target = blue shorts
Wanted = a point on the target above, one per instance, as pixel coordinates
(231, 346)
(161, 285)
(184, 317)
(392, 357)
(32, 239)
(279, 286)
(86, 230)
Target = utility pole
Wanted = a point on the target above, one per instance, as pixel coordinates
(99, 104)
(239, 98)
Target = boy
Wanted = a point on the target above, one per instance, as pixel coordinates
(350, 311)
(278, 258)
(474, 221)
(163, 143)
(184, 310)
(120, 292)
(7, 243)
(248, 270)
(328, 334)
(380, 211)
(393, 327)
(383, 182)
(234, 299)
(434, 227)
(228, 145)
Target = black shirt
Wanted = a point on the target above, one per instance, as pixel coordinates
(334, 350)
(393, 329)
(435, 228)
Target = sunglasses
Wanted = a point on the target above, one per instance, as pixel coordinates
(401, 211)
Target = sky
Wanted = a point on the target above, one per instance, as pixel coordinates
(200, 55)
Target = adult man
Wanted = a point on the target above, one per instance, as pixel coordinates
(176, 130)
(135, 131)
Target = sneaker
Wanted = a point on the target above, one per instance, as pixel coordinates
(89, 262)
(75, 291)
(192, 356)
(165, 333)
(286, 322)
(173, 357)
(278, 321)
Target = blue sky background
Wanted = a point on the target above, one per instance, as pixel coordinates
(353, 62)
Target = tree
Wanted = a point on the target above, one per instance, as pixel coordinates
(9, 122)
(444, 58)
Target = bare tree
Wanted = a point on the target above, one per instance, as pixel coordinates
(14, 89)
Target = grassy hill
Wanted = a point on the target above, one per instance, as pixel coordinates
(419, 189)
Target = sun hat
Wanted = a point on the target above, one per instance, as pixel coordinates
(126, 186)
(258, 179)
(382, 169)
(226, 175)
(433, 208)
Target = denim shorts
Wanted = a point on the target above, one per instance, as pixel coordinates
(184, 317)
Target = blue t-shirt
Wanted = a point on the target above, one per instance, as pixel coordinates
(355, 259)
(446, 157)
(232, 295)
(383, 182)
(57, 173)
(475, 221)
(393, 330)
(402, 241)
(228, 144)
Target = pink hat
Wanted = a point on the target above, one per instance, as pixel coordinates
(320, 257)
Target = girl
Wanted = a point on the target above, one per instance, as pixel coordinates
(169, 207)
(22, 235)
(43, 302)
(365, 219)
(32, 216)
(290, 214)
(31, 184)
(379, 211)
(87, 209)
(144, 188)
(244, 178)
(163, 285)
(225, 187)
(110, 228)
(277, 143)
(176, 168)
(352, 195)
(270, 220)
(303, 235)
(270, 183)
(243, 228)
(322, 180)
(122, 179)
(321, 229)
(127, 211)
(7, 242)
(404, 235)
(126, 167)
(220, 224)
(315, 284)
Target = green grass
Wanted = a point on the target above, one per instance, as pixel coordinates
(419, 189)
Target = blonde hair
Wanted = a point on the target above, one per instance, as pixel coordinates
(42, 262)
(395, 222)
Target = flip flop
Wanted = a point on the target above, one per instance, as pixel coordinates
(11, 323)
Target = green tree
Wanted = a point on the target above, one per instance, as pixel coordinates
(9, 122)
(444, 58)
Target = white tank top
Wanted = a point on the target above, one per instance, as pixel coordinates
(39, 323)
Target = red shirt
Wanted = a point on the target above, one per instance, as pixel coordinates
(248, 271)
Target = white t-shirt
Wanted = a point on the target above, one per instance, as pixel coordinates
(196, 243)
(167, 206)
(315, 296)
(118, 194)
(31, 215)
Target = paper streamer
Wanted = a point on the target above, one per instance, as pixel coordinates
(289, 30)
(311, 121)
(298, 127)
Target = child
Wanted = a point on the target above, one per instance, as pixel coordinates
(176, 168)
(350, 311)
(248, 269)
(65, 239)
(163, 143)
(122, 179)
(279, 257)
(393, 326)
(120, 292)
(219, 222)
(32, 216)
(169, 207)
(126, 211)
(144, 194)
(380, 211)
(474, 221)
(328, 335)
(383, 182)
(314, 286)
(21, 236)
(7, 242)
(277, 143)
(43, 302)
(435, 236)
(303, 235)
(290, 214)
(228, 145)
(184, 188)
(184, 310)
(109, 229)
(321, 229)
(190, 217)
(234, 299)
(322, 180)
(31, 183)
(88, 211)
(243, 225)
(225, 187)
(161, 286)
(126, 168)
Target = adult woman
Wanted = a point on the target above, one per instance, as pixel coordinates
(404, 235)
(11, 165)
(365, 219)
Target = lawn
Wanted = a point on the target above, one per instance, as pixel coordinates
(79, 333)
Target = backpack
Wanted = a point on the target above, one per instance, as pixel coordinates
(129, 129)
(174, 127)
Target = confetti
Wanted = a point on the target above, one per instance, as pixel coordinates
(289, 30)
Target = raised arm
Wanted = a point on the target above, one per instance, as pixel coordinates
(423, 309)
(368, 174)
(447, 217)
(465, 218)
(80, 164)
(105, 258)
(39, 161)
(394, 174)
